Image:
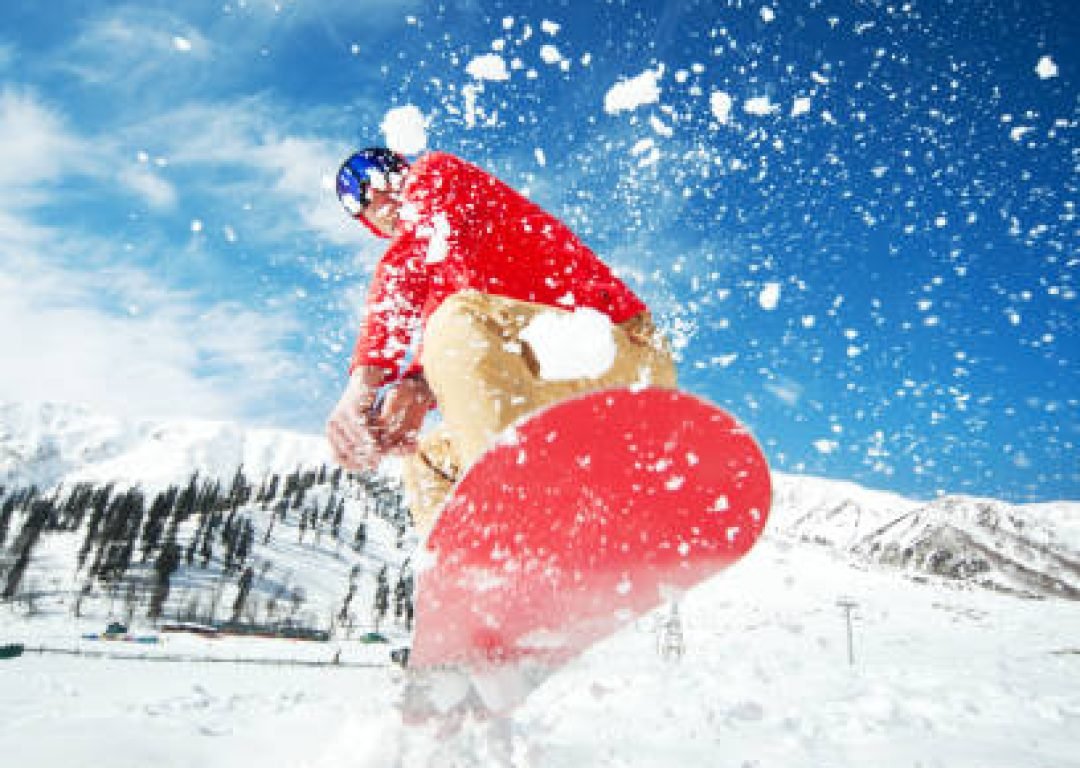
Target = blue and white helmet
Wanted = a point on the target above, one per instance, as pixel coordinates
(374, 166)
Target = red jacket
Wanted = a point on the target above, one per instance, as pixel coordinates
(460, 229)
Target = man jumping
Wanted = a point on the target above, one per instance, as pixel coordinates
(471, 264)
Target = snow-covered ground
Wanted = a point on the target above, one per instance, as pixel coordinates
(960, 671)
(943, 676)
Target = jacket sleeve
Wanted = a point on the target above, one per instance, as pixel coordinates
(392, 312)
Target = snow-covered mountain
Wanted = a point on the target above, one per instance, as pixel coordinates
(1028, 549)
(1031, 549)
(46, 444)
(102, 518)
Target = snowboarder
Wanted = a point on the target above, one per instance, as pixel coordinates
(470, 265)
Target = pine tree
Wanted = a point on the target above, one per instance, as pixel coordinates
(187, 500)
(339, 516)
(85, 592)
(272, 490)
(245, 539)
(244, 590)
(297, 597)
(343, 614)
(7, 511)
(403, 593)
(24, 545)
(269, 530)
(155, 525)
(164, 567)
(240, 491)
(382, 597)
(99, 504)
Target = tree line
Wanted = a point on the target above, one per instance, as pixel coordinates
(142, 541)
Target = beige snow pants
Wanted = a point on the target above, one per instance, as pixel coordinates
(485, 377)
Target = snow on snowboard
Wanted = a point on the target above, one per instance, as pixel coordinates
(579, 519)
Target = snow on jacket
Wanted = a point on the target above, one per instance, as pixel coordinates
(462, 229)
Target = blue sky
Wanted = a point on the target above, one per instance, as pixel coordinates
(858, 220)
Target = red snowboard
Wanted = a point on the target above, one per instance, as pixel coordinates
(582, 518)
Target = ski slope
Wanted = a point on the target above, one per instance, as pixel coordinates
(942, 677)
(977, 669)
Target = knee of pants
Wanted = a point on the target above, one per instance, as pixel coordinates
(429, 475)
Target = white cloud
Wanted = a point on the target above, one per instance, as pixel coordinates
(331, 10)
(155, 190)
(90, 317)
(282, 183)
(130, 45)
(78, 323)
(158, 353)
(18, 232)
(35, 145)
(298, 167)
(37, 148)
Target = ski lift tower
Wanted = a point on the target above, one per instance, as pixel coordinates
(669, 636)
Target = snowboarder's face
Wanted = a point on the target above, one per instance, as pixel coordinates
(383, 210)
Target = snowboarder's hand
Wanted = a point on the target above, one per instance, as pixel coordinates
(401, 415)
(353, 428)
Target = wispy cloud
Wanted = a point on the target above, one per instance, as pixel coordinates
(282, 179)
(80, 322)
(156, 191)
(112, 335)
(39, 152)
(35, 147)
(132, 46)
(171, 358)
(180, 252)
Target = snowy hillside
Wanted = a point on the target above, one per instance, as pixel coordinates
(1031, 549)
(1028, 549)
(150, 525)
(50, 443)
(768, 677)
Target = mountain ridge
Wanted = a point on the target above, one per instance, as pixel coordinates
(1028, 549)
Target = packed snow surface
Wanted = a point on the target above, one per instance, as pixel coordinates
(571, 346)
(631, 93)
(1046, 68)
(488, 66)
(721, 103)
(405, 129)
(941, 677)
